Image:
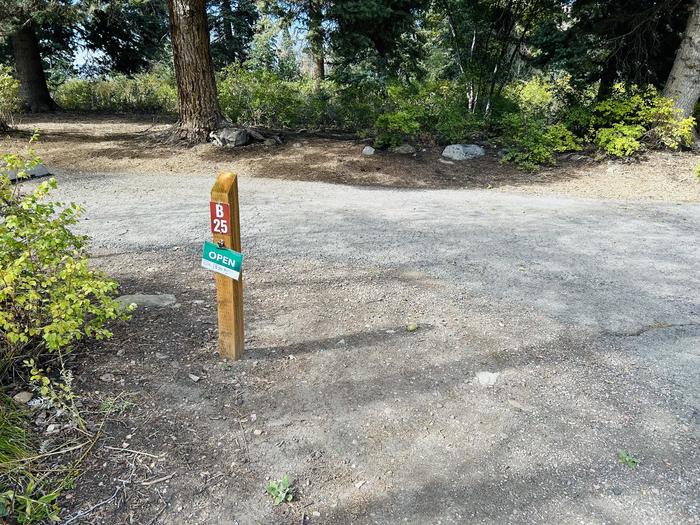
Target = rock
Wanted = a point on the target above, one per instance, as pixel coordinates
(53, 428)
(160, 355)
(37, 171)
(487, 378)
(257, 432)
(412, 327)
(404, 149)
(368, 150)
(230, 137)
(157, 300)
(107, 378)
(296, 145)
(256, 134)
(445, 161)
(23, 397)
(270, 142)
(194, 377)
(316, 514)
(463, 151)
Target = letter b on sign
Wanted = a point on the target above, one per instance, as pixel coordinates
(220, 214)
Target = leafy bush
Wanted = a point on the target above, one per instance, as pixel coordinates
(621, 140)
(632, 117)
(530, 142)
(9, 96)
(144, 93)
(260, 98)
(395, 128)
(535, 96)
(49, 297)
(667, 126)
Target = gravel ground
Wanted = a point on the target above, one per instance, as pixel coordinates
(585, 313)
(125, 144)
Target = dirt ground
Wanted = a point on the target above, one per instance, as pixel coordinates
(553, 332)
(121, 144)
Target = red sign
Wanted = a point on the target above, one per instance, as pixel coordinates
(220, 213)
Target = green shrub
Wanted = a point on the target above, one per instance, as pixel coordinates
(49, 297)
(443, 111)
(667, 126)
(632, 117)
(535, 96)
(9, 96)
(142, 93)
(531, 142)
(395, 128)
(621, 140)
(260, 98)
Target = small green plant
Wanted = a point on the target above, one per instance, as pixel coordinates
(281, 490)
(115, 405)
(697, 171)
(627, 459)
(393, 129)
(24, 497)
(28, 505)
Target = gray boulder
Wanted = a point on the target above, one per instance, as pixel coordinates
(463, 151)
(37, 171)
(158, 301)
(368, 150)
(230, 137)
(404, 149)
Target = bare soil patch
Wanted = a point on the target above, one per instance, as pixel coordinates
(125, 144)
(582, 312)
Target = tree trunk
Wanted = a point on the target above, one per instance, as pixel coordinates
(607, 79)
(683, 84)
(194, 70)
(226, 18)
(32, 88)
(315, 35)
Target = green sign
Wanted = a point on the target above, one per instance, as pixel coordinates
(222, 260)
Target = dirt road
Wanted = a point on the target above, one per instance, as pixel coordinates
(585, 314)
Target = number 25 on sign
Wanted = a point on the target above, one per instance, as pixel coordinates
(220, 213)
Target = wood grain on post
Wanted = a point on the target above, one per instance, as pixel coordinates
(229, 292)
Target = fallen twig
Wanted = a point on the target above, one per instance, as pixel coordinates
(157, 480)
(210, 484)
(84, 513)
(131, 451)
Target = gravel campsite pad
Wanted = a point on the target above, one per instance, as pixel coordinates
(412, 356)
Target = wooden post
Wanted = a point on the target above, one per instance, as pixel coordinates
(229, 292)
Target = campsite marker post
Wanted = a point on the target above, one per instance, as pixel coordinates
(224, 258)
